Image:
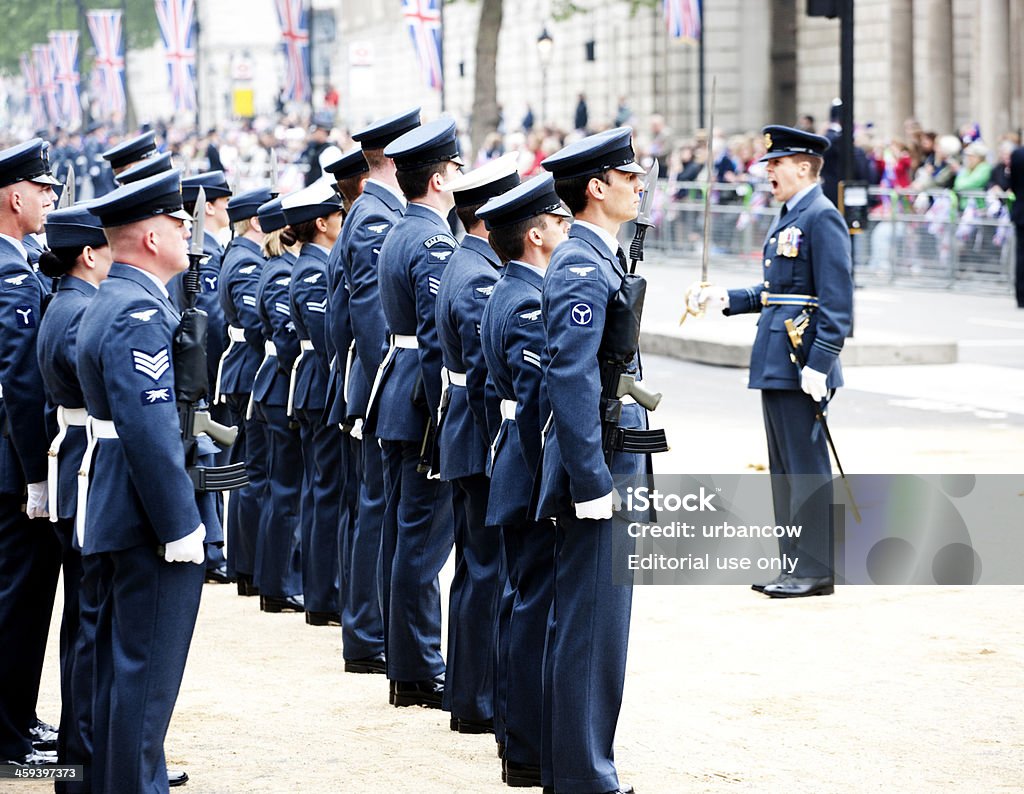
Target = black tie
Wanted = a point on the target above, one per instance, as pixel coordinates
(785, 209)
(621, 256)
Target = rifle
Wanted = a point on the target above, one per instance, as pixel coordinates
(795, 328)
(619, 346)
(191, 382)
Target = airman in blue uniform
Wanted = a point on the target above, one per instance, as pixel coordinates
(369, 220)
(123, 156)
(525, 224)
(80, 258)
(585, 656)
(417, 530)
(137, 510)
(807, 270)
(239, 277)
(463, 442)
(350, 174)
(29, 551)
(278, 548)
(315, 215)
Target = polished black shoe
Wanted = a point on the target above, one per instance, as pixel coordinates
(34, 758)
(218, 575)
(292, 603)
(474, 726)
(43, 736)
(759, 588)
(520, 775)
(453, 724)
(323, 618)
(419, 693)
(176, 777)
(245, 585)
(367, 664)
(801, 587)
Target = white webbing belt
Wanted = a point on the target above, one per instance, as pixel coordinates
(269, 351)
(66, 417)
(304, 346)
(235, 335)
(349, 360)
(95, 429)
(508, 410)
(403, 341)
(457, 378)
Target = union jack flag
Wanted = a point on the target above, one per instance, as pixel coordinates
(294, 18)
(35, 97)
(178, 31)
(423, 20)
(683, 19)
(43, 57)
(108, 73)
(64, 44)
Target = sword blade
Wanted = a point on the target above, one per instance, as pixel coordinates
(710, 168)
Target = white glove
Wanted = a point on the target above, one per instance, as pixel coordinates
(189, 548)
(37, 498)
(357, 430)
(596, 508)
(693, 298)
(814, 383)
(713, 297)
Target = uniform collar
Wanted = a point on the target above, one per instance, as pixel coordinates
(210, 241)
(524, 272)
(480, 246)
(316, 251)
(611, 245)
(385, 192)
(76, 284)
(427, 208)
(19, 246)
(794, 201)
(146, 280)
(253, 246)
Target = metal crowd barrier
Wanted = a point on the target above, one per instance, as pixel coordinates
(930, 238)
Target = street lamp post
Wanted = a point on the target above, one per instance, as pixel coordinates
(544, 44)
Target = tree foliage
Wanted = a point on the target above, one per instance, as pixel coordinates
(27, 22)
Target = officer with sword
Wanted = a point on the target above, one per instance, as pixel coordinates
(806, 302)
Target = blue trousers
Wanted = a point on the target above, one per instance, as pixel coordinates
(801, 479)
(473, 604)
(530, 551)
(29, 566)
(278, 555)
(585, 656)
(244, 505)
(362, 622)
(417, 539)
(321, 452)
(144, 629)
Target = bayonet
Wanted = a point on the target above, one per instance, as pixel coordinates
(198, 225)
(644, 216)
(67, 195)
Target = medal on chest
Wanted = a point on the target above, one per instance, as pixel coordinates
(789, 242)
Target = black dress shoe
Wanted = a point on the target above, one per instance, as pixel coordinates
(474, 726)
(759, 588)
(520, 775)
(367, 664)
(218, 575)
(292, 603)
(801, 586)
(323, 618)
(419, 693)
(245, 585)
(34, 758)
(176, 777)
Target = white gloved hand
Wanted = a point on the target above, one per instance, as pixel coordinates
(357, 430)
(37, 499)
(713, 297)
(814, 383)
(693, 298)
(189, 548)
(596, 508)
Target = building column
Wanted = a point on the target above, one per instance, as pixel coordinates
(901, 64)
(938, 99)
(993, 74)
